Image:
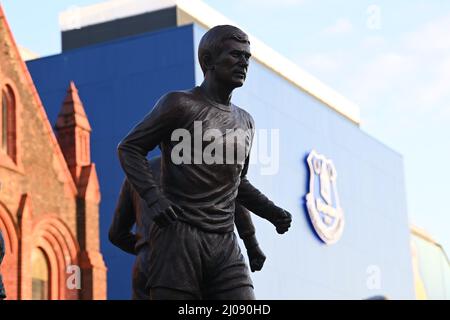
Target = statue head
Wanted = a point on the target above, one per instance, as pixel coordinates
(224, 53)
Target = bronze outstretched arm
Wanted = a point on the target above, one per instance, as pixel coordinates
(133, 150)
(246, 231)
(142, 139)
(255, 201)
(120, 231)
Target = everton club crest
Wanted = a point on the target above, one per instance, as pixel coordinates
(322, 200)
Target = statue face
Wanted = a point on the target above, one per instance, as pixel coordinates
(231, 64)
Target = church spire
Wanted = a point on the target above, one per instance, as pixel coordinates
(74, 132)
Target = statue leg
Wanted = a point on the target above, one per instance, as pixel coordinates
(227, 276)
(241, 293)
(174, 263)
(170, 294)
(140, 279)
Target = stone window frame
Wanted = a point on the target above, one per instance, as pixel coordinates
(11, 158)
(8, 123)
(38, 262)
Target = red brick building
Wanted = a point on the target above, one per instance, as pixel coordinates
(49, 191)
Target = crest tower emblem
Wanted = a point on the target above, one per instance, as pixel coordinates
(322, 200)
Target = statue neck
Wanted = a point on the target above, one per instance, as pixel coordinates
(216, 92)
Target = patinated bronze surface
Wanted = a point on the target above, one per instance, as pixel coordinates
(193, 252)
(131, 211)
(2, 254)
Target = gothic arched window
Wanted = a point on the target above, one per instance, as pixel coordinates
(8, 123)
(4, 133)
(40, 275)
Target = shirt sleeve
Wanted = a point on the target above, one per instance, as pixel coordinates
(124, 218)
(249, 196)
(144, 137)
(255, 201)
(243, 221)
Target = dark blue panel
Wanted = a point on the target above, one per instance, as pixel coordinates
(118, 82)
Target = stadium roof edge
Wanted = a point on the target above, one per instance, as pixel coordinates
(195, 11)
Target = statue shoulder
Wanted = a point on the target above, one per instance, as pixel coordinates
(246, 116)
(177, 98)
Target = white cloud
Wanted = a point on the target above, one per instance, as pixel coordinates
(341, 26)
(272, 3)
(413, 78)
(407, 76)
(431, 38)
(374, 42)
(322, 63)
(385, 73)
(431, 47)
(438, 90)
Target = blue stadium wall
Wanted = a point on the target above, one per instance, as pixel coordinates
(120, 81)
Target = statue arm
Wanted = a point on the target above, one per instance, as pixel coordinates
(255, 201)
(143, 138)
(246, 230)
(244, 226)
(124, 218)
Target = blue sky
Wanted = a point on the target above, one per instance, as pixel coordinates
(390, 57)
